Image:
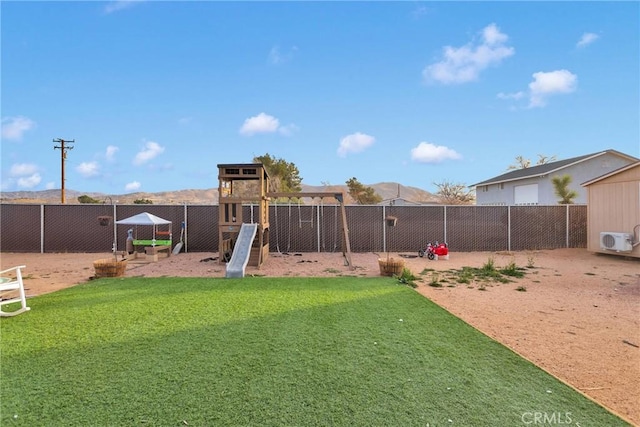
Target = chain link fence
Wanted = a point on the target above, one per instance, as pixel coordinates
(301, 227)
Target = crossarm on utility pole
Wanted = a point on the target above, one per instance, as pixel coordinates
(63, 156)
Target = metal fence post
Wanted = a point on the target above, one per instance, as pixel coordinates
(41, 229)
(115, 230)
(509, 228)
(384, 229)
(567, 228)
(445, 223)
(184, 234)
(318, 222)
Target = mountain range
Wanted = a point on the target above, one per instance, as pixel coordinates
(387, 190)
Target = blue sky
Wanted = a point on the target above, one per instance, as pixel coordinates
(156, 94)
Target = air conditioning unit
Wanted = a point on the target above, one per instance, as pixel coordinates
(613, 241)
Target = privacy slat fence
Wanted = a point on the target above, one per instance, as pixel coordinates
(302, 228)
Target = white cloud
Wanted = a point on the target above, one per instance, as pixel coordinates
(22, 169)
(515, 95)
(427, 152)
(132, 186)
(550, 83)
(544, 85)
(262, 123)
(29, 181)
(88, 169)
(151, 151)
(111, 152)
(274, 55)
(492, 35)
(587, 39)
(355, 143)
(119, 5)
(464, 64)
(288, 130)
(15, 127)
(24, 175)
(277, 57)
(265, 123)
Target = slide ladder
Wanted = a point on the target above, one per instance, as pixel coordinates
(241, 250)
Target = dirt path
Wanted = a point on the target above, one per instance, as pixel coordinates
(577, 314)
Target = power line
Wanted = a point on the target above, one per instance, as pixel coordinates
(63, 156)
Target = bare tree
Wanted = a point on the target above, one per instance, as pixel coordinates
(523, 163)
(542, 159)
(454, 193)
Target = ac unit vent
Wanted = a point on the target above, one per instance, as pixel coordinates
(615, 241)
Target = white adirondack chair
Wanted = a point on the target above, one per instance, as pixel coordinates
(10, 284)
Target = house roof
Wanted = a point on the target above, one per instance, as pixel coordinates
(548, 168)
(614, 172)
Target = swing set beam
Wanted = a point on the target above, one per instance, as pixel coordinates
(339, 196)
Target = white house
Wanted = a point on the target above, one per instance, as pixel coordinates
(533, 185)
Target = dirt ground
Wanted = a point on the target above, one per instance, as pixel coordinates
(576, 314)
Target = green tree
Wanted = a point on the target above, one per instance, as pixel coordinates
(454, 193)
(143, 202)
(284, 176)
(523, 163)
(561, 187)
(361, 194)
(87, 199)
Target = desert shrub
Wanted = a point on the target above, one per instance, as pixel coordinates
(512, 270)
(435, 281)
(407, 278)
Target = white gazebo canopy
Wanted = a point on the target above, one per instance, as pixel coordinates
(144, 218)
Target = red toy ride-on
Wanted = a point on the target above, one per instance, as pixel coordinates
(435, 250)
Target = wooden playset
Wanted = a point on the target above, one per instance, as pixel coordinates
(249, 183)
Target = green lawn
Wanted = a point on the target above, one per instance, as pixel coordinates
(266, 352)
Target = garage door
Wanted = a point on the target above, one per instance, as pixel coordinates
(526, 194)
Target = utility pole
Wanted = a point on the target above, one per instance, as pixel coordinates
(63, 156)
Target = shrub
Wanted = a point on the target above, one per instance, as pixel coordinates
(489, 266)
(531, 261)
(435, 281)
(512, 270)
(466, 275)
(407, 278)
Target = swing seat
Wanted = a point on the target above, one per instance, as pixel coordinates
(10, 284)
